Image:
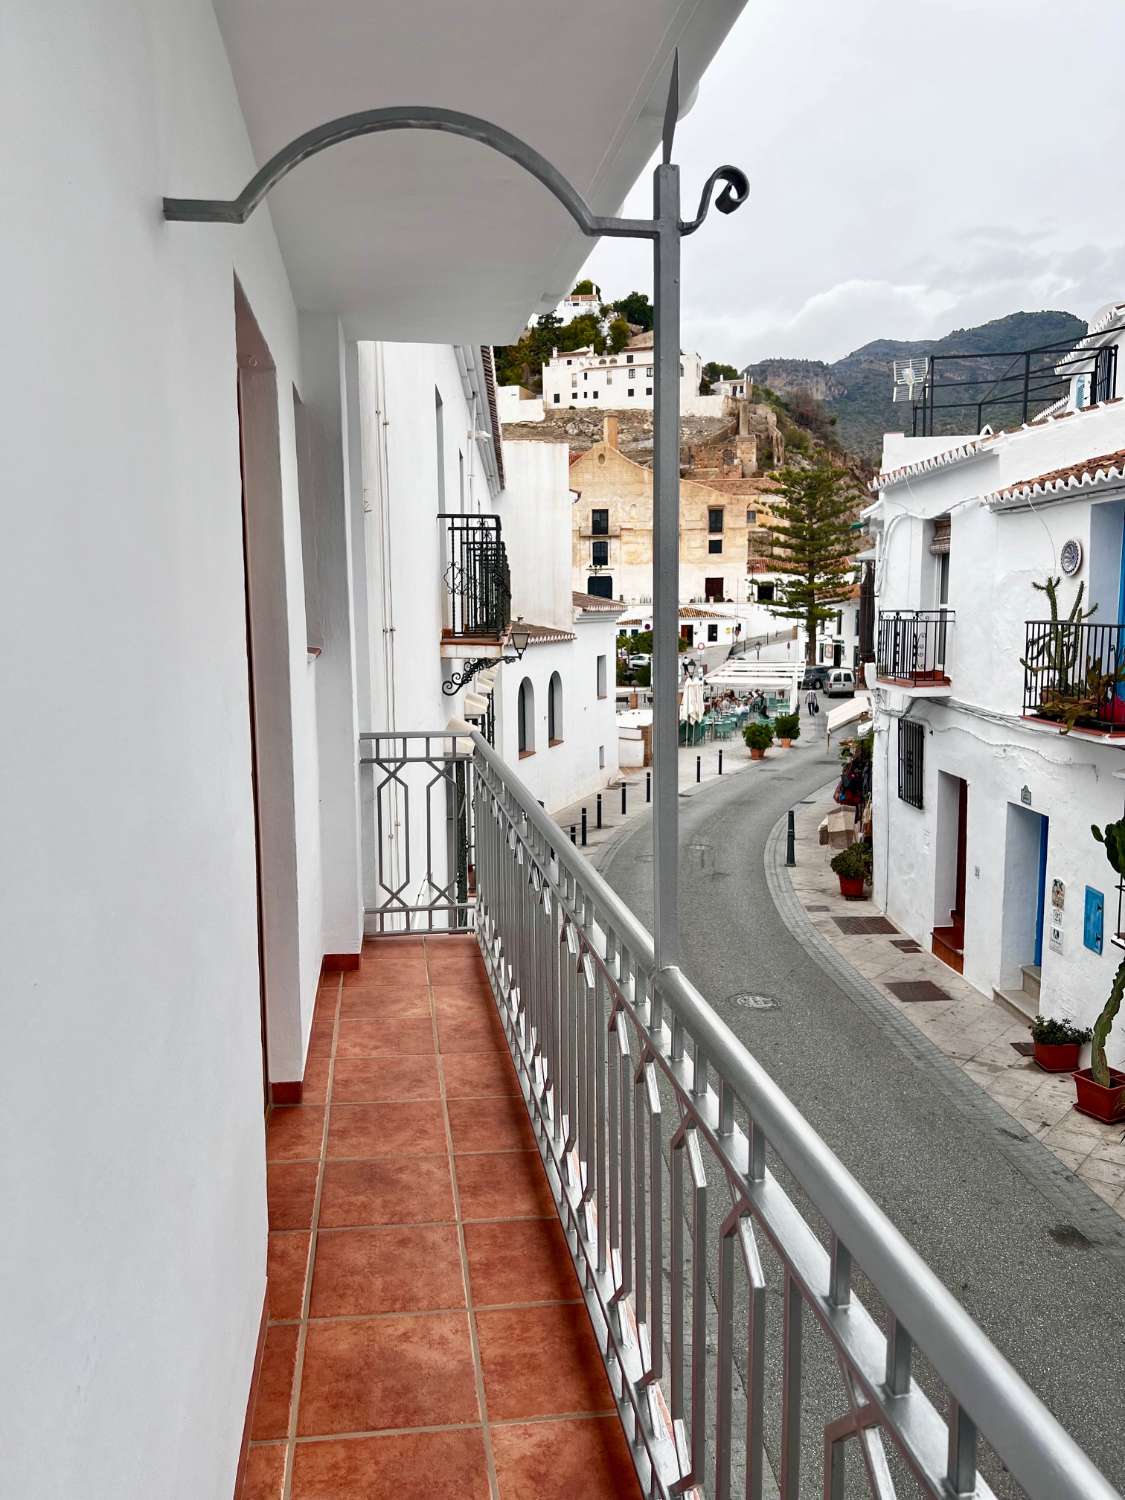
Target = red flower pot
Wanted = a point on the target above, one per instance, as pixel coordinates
(851, 887)
(785, 744)
(757, 754)
(1057, 1057)
(1106, 1104)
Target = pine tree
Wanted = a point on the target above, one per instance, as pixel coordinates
(812, 545)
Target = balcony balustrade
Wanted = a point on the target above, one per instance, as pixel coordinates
(718, 1241)
(913, 647)
(477, 578)
(1074, 675)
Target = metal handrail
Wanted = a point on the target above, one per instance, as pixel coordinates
(535, 889)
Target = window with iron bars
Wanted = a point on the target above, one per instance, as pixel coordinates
(911, 751)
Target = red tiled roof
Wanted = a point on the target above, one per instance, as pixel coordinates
(543, 635)
(596, 603)
(1086, 472)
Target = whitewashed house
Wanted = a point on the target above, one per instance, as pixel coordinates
(226, 449)
(622, 381)
(555, 712)
(983, 807)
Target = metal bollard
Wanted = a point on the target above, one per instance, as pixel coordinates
(583, 827)
(573, 840)
(720, 760)
(624, 792)
(598, 820)
(648, 786)
(791, 839)
(699, 768)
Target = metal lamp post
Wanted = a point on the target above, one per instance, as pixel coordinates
(665, 229)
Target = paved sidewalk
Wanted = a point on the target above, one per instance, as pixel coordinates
(967, 1026)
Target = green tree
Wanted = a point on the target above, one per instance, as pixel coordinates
(811, 544)
(584, 289)
(619, 335)
(635, 309)
(713, 371)
(522, 363)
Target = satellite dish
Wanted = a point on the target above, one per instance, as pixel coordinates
(909, 376)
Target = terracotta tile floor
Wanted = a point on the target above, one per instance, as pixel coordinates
(427, 1335)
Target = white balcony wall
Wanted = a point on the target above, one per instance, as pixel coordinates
(134, 1257)
(412, 465)
(535, 510)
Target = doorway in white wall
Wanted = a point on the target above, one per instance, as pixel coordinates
(950, 859)
(1024, 913)
(269, 706)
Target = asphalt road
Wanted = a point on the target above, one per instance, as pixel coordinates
(979, 1199)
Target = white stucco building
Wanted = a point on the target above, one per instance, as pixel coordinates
(226, 448)
(555, 706)
(741, 388)
(622, 381)
(982, 807)
(577, 305)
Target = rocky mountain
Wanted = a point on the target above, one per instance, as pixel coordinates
(856, 390)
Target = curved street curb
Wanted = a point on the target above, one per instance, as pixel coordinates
(1084, 1210)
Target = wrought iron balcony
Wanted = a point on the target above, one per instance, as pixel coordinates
(1074, 675)
(912, 649)
(477, 578)
(735, 1342)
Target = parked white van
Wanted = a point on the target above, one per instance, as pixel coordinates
(840, 684)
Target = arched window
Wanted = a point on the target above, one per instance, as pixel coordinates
(554, 710)
(525, 713)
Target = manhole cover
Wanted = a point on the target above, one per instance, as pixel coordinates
(755, 1002)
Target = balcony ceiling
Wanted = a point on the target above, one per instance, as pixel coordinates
(429, 237)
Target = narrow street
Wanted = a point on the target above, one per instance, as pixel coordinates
(1039, 1273)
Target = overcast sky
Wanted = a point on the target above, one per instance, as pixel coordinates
(915, 166)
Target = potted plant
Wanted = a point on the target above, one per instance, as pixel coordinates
(853, 867)
(788, 727)
(1057, 1043)
(759, 736)
(1100, 1088)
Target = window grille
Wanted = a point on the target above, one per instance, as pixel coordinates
(911, 752)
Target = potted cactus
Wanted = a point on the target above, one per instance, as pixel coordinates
(788, 727)
(1100, 1088)
(759, 737)
(1057, 1044)
(853, 869)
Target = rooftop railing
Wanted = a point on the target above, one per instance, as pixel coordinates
(961, 392)
(720, 1244)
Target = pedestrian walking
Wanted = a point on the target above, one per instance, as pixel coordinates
(812, 704)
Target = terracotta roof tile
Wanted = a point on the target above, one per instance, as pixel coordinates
(1086, 472)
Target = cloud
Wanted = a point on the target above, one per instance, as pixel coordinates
(832, 322)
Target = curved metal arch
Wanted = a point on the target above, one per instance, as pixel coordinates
(408, 117)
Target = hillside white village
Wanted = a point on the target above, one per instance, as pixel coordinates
(564, 919)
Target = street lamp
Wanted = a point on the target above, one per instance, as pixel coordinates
(518, 637)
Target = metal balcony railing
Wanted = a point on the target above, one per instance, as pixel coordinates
(718, 1241)
(1074, 674)
(477, 578)
(913, 646)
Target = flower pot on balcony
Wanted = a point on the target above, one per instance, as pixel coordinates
(1105, 1104)
(1056, 1057)
(757, 754)
(785, 744)
(852, 887)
